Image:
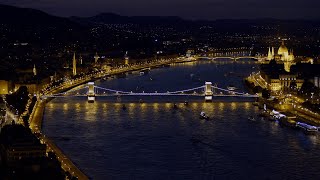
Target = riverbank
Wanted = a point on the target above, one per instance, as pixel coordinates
(36, 116)
(289, 110)
(257, 85)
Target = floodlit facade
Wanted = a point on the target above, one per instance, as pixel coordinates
(283, 54)
(5, 87)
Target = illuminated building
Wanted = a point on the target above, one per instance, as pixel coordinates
(284, 82)
(283, 55)
(126, 58)
(5, 87)
(278, 78)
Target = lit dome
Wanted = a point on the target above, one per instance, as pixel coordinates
(283, 49)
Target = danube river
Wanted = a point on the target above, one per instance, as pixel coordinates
(153, 140)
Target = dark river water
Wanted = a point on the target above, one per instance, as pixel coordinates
(152, 140)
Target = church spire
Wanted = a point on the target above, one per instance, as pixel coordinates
(269, 54)
(74, 64)
(34, 70)
(96, 58)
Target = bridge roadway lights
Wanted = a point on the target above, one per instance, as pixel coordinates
(208, 91)
(91, 95)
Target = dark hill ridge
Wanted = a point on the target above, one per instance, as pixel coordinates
(27, 16)
(112, 18)
(37, 27)
(24, 16)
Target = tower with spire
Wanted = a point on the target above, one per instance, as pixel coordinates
(126, 58)
(74, 65)
(271, 53)
(96, 58)
(34, 70)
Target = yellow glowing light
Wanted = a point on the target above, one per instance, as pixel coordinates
(195, 105)
(247, 105)
(168, 105)
(65, 106)
(155, 107)
(221, 106)
(233, 106)
(78, 105)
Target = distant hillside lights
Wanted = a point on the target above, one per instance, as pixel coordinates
(283, 55)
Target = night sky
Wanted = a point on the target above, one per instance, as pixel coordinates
(189, 9)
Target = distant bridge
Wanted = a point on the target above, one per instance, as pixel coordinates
(235, 58)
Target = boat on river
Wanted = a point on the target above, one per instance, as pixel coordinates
(307, 128)
(251, 118)
(203, 115)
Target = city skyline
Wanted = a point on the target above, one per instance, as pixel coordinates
(203, 9)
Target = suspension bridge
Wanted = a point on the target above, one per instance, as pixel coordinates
(208, 91)
(234, 58)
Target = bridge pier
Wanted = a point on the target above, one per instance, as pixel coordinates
(91, 94)
(208, 91)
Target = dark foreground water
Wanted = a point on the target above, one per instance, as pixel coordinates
(152, 140)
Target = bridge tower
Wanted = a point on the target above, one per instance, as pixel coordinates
(91, 94)
(208, 91)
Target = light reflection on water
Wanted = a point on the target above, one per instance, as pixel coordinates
(152, 140)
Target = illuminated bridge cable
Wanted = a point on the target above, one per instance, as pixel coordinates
(226, 90)
(112, 90)
(186, 90)
(168, 92)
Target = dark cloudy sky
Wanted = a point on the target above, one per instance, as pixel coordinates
(191, 9)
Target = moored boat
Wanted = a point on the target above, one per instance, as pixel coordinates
(307, 128)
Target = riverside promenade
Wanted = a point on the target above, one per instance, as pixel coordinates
(36, 116)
